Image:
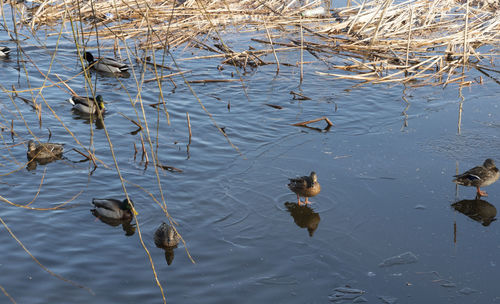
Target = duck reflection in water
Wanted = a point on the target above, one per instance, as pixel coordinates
(167, 238)
(478, 210)
(87, 119)
(114, 213)
(304, 216)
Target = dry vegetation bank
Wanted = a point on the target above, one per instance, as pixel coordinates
(377, 41)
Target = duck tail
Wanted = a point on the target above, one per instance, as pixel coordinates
(5, 50)
(71, 101)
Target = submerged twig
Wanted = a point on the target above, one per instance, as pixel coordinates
(300, 96)
(306, 123)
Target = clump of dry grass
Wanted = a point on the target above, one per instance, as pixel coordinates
(382, 41)
(174, 21)
(412, 40)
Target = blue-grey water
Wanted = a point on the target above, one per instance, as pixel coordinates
(385, 169)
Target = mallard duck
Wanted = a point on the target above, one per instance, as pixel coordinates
(44, 151)
(113, 208)
(108, 65)
(4, 51)
(87, 105)
(166, 236)
(480, 176)
(305, 186)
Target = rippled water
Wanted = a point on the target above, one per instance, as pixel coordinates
(385, 169)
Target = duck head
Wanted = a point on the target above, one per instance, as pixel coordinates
(31, 145)
(89, 57)
(314, 177)
(129, 205)
(489, 164)
(100, 102)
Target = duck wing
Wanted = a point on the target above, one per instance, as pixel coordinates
(50, 149)
(111, 62)
(53, 147)
(472, 177)
(108, 208)
(160, 235)
(84, 101)
(299, 183)
(108, 204)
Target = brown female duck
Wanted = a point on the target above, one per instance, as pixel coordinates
(166, 236)
(44, 151)
(480, 176)
(305, 186)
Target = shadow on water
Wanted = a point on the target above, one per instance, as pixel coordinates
(477, 209)
(304, 216)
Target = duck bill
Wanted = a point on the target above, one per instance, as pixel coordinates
(135, 212)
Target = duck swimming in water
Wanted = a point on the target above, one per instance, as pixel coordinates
(107, 65)
(166, 236)
(44, 151)
(113, 208)
(480, 176)
(305, 186)
(87, 105)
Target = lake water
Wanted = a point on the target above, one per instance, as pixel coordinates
(385, 168)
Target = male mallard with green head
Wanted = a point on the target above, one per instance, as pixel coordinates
(480, 176)
(44, 151)
(87, 105)
(113, 208)
(107, 65)
(305, 186)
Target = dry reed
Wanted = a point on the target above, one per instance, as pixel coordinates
(381, 41)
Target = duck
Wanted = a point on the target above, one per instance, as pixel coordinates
(305, 186)
(166, 236)
(113, 209)
(480, 176)
(4, 51)
(108, 65)
(44, 151)
(87, 105)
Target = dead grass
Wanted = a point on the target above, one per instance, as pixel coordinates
(377, 41)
